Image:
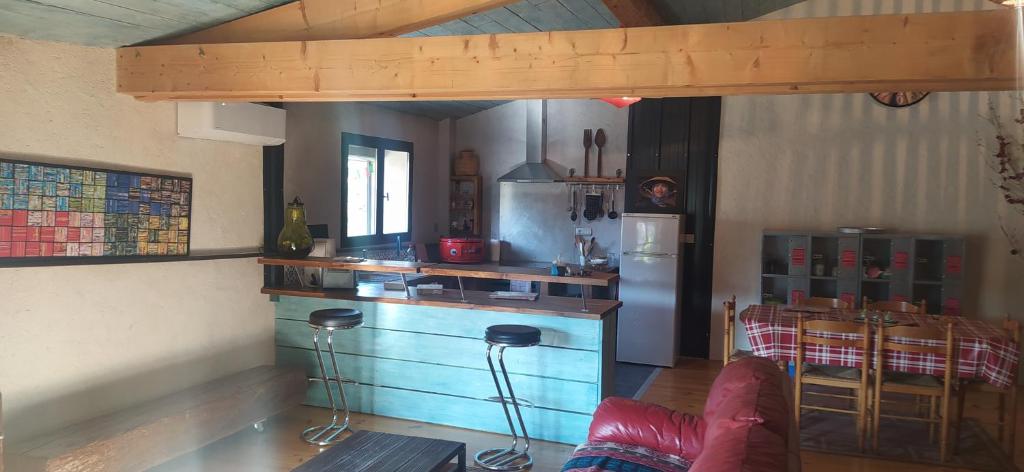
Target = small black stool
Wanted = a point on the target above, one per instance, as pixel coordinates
(508, 459)
(331, 319)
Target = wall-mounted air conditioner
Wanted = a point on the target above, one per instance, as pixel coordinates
(246, 123)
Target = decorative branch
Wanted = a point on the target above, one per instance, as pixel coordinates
(1007, 164)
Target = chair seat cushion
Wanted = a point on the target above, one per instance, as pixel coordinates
(336, 318)
(830, 372)
(916, 380)
(513, 335)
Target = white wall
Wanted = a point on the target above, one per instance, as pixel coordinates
(312, 168)
(536, 218)
(79, 341)
(815, 162)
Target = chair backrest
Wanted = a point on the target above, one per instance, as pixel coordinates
(819, 302)
(899, 307)
(729, 326)
(807, 329)
(909, 339)
(1012, 328)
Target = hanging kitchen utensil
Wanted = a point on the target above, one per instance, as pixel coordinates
(613, 214)
(569, 194)
(599, 139)
(587, 141)
(573, 216)
(592, 208)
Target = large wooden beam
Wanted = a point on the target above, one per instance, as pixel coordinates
(309, 20)
(936, 52)
(635, 13)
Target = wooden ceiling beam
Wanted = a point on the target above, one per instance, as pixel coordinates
(972, 50)
(635, 13)
(311, 20)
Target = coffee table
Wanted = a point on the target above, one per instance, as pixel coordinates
(368, 451)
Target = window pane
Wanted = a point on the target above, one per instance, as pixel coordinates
(362, 191)
(396, 192)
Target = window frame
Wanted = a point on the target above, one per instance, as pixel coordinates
(381, 145)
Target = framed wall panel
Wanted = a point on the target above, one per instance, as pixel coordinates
(56, 213)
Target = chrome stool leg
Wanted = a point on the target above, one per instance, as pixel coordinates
(506, 459)
(326, 434)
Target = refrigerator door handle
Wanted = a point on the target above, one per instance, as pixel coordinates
(651, 254)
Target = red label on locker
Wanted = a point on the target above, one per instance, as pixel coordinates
(849, 258)
(798, 256)
(796, 296)
(900, 260)
(848, 298)
(951, 307)
(953, 264)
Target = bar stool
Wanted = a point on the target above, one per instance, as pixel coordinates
(508, 459)
(330, 319)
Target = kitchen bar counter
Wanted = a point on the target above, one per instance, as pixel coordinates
(545, 305)
(483, 271)
(422, 357)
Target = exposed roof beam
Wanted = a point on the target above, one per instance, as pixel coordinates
(310, 20)
(934, 52)
(635, 13)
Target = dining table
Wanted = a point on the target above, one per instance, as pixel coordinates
(983, 351)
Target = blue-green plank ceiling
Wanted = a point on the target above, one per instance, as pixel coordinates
(114, 23)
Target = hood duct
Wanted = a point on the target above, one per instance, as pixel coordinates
(534, 170)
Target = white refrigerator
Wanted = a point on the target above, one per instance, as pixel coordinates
(649, 271)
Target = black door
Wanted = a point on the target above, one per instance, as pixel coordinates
(673, 143)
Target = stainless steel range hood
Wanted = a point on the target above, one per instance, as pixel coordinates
(534, 170)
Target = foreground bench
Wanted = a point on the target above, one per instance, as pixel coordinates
(155, 432)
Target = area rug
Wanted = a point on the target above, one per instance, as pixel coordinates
(632, 380)
(903, 441)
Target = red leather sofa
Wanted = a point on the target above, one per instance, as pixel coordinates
(747, 424)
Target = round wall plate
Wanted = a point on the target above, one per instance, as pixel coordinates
(898, 99)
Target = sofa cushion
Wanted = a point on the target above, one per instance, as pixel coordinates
(621, 420)
(751, 390)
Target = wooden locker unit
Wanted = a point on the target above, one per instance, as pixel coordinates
(910, 268)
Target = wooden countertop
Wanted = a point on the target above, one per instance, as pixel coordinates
(545, 305)
(329, 263)
(531, 274)
(483, 271)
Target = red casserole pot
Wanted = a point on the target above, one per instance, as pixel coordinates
(462, 250)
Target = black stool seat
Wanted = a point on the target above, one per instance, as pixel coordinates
(513, 335)
(336, 318)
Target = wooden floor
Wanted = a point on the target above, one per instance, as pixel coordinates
(684, 388)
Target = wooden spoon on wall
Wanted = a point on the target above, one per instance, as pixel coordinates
(587, 141)
(599, 139)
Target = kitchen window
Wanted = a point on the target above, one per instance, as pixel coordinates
(376, 200)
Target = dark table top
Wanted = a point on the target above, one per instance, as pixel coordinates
(368, 451)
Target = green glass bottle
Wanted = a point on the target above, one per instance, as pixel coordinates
(294, 242)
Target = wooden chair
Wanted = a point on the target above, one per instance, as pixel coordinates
(933, 387)
(856, 380)
(819, 302)
(730, 353)
(1007, 398)
(894, 306)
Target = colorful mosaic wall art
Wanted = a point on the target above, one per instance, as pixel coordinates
(52, 211)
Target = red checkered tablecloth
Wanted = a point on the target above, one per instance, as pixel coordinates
(984, 351)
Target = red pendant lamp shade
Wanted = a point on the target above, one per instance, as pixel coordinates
(621, 102)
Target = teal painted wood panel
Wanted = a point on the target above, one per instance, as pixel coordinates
(544, 361)
(555, 331)
(456, 381)
(541, 423)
